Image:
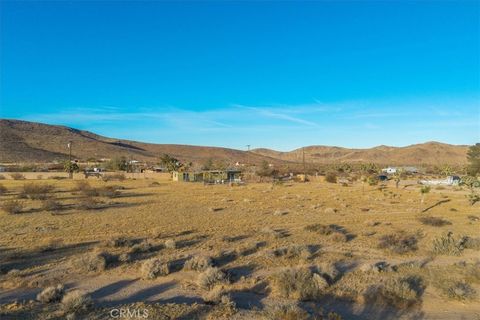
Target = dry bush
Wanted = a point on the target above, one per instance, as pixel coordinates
(119, 242)
(89, 203)
(51, 205)
(36, 191)
(108, 191)
(170, 244)
(434, 221)
(154, 268)
(299, 284)
(114, 176)
(216, 295)
(293, 252)
(51, 294)
(3, 189)
(211, 277)
(198, 263)
(125, 257)
(397, 292)
(448, 245)
(17, 176)
(81, 186)
(471, 243)
(320, 228)
(331, 177)
(141, 247)
(12, 206)
(399, 242)
(76, 302)
(271, 232)
(289, 311)
(339, 237)
(460, 291)
(336, 232)
(90, 262)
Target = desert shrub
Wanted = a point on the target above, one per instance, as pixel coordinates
(76, 302)
(141, 247)
(125, 257)
(211, 277)
(397, 292)
(114, 176)
(12, 206)
(271, 232)
(336, 232)
(51, 294)
(473, 198)
(119, 242)
(372, 180)
(17, 176)
(339, 237)
(198, 263)
(293, 251)
(82, 185)
(471, 243)
(448, 245)
(154, 268)
(454, 289)
(331, 177)
(90, 262)
(89, 204)
(299, 283)
(398, 242)
(434, 221)
(36, 191)
(289, 311)
(51, 205)
(3, 189)
(170, 244)
(216, 295)
(108, 191)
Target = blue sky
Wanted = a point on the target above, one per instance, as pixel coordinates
(270, 74)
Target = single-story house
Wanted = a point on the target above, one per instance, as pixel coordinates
(207, 176)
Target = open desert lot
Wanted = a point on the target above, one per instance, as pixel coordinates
(168, 250)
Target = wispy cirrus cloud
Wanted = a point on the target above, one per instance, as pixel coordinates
(352, 123)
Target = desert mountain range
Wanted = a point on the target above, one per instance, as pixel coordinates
(23, 141)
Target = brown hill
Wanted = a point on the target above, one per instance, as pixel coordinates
(430, 153)
(23, 141)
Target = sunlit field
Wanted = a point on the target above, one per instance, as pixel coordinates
(91, 248)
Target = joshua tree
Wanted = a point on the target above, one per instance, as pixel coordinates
(171, 163)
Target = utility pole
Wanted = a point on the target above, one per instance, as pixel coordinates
(70, 167)
(304, 167)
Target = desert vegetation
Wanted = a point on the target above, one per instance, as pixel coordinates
(263, 250)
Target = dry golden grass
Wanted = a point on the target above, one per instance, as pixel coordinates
(145, 229)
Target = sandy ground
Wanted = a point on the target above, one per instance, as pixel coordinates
(231, 225)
